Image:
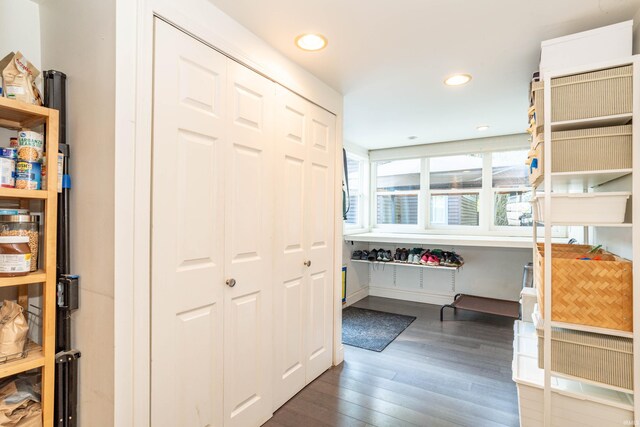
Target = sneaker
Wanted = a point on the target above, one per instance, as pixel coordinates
(397, 255)
(356, 254)
(433, 260)
(404, 255)
(425, 258)
(364, 256)
(386, 256)
(381, 253)
(373, 255)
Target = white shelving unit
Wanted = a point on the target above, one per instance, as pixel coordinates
(407, 264)
(581, 182)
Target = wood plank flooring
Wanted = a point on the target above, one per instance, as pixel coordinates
(454, 373)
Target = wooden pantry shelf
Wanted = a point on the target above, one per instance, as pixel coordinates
(14, 193)
(407, 264)
(19, 115)
(35, 359)
(38, 276)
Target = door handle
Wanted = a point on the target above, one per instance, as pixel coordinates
(307, 263)
(231, 282)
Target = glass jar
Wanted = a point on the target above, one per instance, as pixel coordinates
(22, 225)
(15, 256)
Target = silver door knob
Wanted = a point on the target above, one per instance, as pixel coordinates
(231, 282)
(307, 263)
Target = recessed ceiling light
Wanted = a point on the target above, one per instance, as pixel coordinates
(457, 79)
(412, 137)
(482, 128)
(311, 42)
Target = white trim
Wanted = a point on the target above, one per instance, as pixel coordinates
(356, 296)
(423, 297)
(452, 148)
(134, 57)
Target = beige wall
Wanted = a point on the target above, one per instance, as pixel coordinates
(78, 38)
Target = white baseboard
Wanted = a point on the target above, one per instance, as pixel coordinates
(356, 296)
(406, 295)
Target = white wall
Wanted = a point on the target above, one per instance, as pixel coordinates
(78, 38)
(20, 31)
(357, 273)
(488, 272)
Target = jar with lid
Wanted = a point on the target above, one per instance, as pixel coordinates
(22, 225)
(15, 256)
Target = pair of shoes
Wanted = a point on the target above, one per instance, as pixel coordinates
(401, 255)
(356, 254)
(451, 259)
(380, 255)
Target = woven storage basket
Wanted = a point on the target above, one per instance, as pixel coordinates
(592, 293)
(603, 358)
(604, 148)
(583, 96)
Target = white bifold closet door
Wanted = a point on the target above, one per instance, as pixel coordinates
(212, 216)
(303, 292)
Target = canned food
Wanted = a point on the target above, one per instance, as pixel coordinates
(30, 146)
(28, 175)
(9, 153)
(7, 172)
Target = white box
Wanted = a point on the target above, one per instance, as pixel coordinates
(572, 403)
(584, 208)
(597, 45)
(528, 300)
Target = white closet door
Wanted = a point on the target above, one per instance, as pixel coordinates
(248, 309)
(319, 230)
(303, 293)
(187, 234)
(290, 273)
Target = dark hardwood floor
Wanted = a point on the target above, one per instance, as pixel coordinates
(434, 374)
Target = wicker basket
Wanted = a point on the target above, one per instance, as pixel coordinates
(606, 148)
(592, 293)
(603, 358)
(583, 96)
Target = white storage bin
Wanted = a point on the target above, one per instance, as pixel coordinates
(572, 403)
(597, 45)
(528, 300)
(584, 208)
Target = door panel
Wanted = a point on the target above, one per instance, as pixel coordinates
(290, 293)
(248, 249)
(187, 232)
(319, 220)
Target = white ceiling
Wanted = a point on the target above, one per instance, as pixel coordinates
(389, 59)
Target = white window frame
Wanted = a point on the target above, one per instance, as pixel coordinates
(362, 223)
(403, 228)
(486, 202)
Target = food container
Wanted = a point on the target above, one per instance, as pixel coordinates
(45, 173)
(9, 152)
(30, 146)
(14, 211)
(15, 256)
(28, 175)
(7, 172)
(25, 226)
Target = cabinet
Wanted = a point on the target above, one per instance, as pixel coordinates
(596, 181)
(221, 204)
(17, 115)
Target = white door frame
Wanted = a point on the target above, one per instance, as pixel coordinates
(134, 73)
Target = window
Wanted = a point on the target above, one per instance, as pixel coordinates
(397, 191)
(356, 167)
(455, 183)
(511, 191)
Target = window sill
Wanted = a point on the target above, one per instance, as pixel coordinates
(522, 242)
